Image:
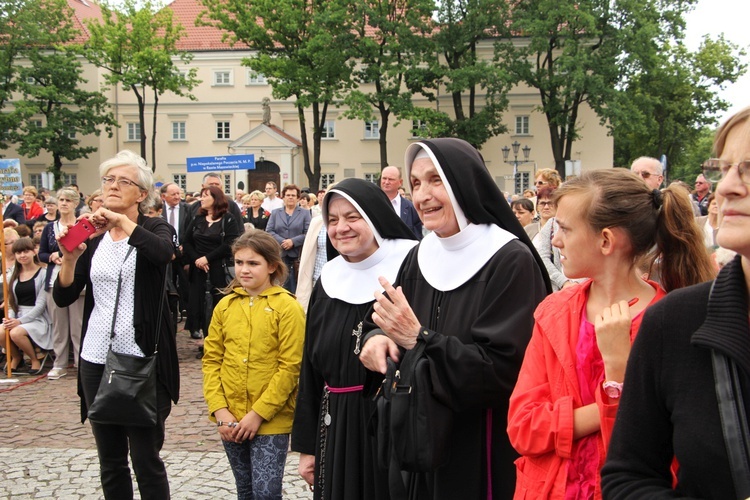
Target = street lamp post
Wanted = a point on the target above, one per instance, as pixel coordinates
(516, 162)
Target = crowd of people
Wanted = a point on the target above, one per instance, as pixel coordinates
(589, 336)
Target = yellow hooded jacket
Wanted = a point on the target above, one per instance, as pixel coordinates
(252, 357)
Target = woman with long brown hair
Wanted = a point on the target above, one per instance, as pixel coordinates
(207, 243)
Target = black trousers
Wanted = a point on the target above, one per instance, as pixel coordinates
(113, 441)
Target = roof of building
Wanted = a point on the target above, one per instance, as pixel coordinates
(196, 38)
(82, 10)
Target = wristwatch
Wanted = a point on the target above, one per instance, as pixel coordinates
(612, 389)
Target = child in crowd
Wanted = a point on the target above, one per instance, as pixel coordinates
(251, 366)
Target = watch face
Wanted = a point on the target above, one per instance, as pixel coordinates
(612, 392)
(612, 389)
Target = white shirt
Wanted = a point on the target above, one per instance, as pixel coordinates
(106, 263)
(396, 202)
(176, 226)
(270, 205)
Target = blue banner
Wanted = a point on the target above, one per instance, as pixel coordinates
(11, 181)
(217, 163)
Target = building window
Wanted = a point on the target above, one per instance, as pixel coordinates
(222, 130)
(178, 131)
(228, 184)
(328, 130)
(326, 180)
(222, 77)
(372, 130)
(255, 78)
(180, 180)
(418, 129)
(521, 182)
(372, 178)
(69, 179)
(71, 133)
(35, 180)
(134, 131)
(522, 125)
(36, 123)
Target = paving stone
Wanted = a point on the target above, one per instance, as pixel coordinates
(53, 455)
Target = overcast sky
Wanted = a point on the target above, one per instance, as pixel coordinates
(729, 17)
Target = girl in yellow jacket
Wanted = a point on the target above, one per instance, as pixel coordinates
(251, 366)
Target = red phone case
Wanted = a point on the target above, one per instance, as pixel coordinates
(77, 234)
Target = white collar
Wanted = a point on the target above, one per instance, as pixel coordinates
(356, 282)
(447, 263)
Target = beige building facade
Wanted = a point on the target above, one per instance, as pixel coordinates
(228, 118)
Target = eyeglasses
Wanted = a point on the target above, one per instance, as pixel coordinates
(715, 170)
(121, 182)
(544, 203)
(644, 174)
(541, 183)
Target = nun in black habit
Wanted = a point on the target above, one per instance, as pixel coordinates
(468, 291)
(367, 239)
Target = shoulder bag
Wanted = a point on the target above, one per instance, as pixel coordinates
(127, 391)
(227, 263)
(413, 425)
(733, 421)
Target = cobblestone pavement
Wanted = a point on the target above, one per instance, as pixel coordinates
(45, 452)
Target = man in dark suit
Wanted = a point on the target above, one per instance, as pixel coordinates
(12, 211)
(177, 213)
(390, 181)
(288, 226)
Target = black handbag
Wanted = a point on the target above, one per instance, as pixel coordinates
(733, 421)
(127, 391)
(413, 425)
(227, 263)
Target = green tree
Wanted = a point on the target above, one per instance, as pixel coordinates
(391, 43)
(666, 107)
(461, 26)
(698, 150)
(137, 44)
(303, 48)
(51, 86)
(579, 52)
(25, 26)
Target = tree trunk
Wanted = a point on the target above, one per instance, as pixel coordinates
(383, 136)
(153, 133)
(57, 170)
(141, 119)
(305, 150)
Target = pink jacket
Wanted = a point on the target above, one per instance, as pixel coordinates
(540, 419)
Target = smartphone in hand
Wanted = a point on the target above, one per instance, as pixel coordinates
(77, 234)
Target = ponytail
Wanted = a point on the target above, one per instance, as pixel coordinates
(684, 259)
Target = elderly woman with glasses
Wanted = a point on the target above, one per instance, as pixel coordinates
(130, 250)
(543, 239)
(685, 395)
(66, 321)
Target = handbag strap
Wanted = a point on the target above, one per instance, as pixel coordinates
(408, 363)
(733, 420)
(117, 302)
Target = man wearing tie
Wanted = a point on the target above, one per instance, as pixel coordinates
(176, 212)
(12, 211)
(390, 181)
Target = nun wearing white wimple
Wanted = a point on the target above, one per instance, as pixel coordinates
(468, 291)
(366, 239)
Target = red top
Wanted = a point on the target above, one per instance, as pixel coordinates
(32, 212)
(540, 419)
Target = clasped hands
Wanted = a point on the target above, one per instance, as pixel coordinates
(393, 314)
(245, 429)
